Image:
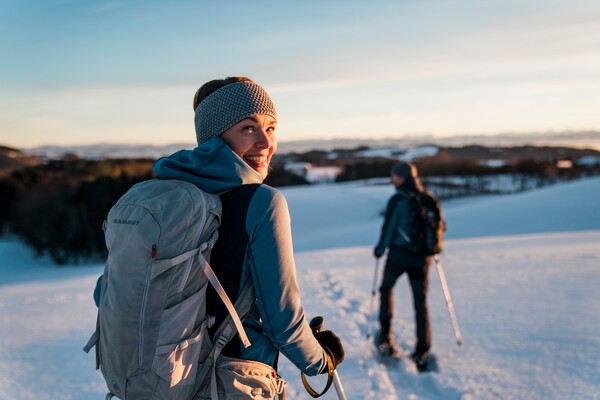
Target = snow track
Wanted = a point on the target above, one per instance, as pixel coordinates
(527, 305)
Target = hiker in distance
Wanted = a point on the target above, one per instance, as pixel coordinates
(235, 122)
(395, 236)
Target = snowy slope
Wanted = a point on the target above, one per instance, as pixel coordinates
(523, 271)
(349, 214)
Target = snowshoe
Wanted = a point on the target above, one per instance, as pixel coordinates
(424, 362)
(388, 349)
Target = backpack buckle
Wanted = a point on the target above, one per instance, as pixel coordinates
(210, 321)
(280, 382)
(222, 341)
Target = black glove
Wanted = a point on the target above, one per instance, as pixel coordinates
(378, 251)
(333, 347)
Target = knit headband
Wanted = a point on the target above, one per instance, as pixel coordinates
(227, 106)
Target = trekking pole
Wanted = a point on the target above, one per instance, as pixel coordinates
(316, 324)
(449, 303)
(370, 316)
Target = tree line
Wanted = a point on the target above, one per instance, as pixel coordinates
(431, 167)
(58, 207)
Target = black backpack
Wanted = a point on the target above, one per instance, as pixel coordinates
(427, 224)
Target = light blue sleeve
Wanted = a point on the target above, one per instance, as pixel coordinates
(273, 271)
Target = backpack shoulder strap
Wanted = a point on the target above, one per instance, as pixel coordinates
(233, 311)
(223, 335)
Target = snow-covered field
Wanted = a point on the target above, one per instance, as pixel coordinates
(522, 269)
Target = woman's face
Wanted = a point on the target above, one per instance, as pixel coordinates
(253, 140)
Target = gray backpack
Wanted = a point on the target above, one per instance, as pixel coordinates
(151, 336)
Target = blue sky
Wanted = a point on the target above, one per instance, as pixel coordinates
(82, 72)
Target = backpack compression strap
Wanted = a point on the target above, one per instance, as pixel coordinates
(163, 265)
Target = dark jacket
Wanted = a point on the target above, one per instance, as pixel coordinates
(396, 229)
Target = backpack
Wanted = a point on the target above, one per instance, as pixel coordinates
(427, 224)
(151, 333)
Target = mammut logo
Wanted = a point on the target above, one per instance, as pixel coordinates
(125, 221)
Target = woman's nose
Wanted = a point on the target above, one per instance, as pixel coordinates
(264, 140)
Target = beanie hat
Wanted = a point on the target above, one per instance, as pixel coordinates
(404, 169)
(229, 105)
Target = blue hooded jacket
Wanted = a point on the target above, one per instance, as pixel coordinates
(277, 323)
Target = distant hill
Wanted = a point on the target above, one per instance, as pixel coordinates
(100, 151)
(440, 155)
(373, 155)
(13, 159)
(580, 139)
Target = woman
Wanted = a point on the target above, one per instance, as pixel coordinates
(235, 129)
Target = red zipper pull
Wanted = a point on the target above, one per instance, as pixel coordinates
(153, 251)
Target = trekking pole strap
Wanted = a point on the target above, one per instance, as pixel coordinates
(330, 375)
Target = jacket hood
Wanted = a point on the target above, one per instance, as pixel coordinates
(212, 166)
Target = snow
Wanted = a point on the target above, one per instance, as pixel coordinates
(522, 270)
(400, 153)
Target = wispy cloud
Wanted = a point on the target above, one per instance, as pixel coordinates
(440, 66)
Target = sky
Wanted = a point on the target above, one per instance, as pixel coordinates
(84, 72)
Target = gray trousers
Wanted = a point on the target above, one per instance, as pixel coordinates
(419, 285)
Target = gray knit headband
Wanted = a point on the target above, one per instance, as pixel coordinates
(227, 106)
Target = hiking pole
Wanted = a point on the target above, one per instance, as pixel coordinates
(449, 303)
(316, 324)
(370, 316)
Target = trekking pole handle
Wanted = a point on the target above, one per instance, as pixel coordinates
(316, 324)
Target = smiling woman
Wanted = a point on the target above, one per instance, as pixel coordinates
(235, 123)
(242, 114)
(253, 140)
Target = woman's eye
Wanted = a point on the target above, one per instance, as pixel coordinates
(249, 128)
